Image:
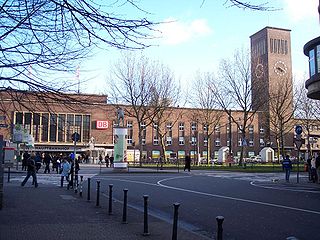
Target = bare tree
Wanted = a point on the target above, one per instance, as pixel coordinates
(166, 95)
(307, 115)
(206, 106)
(148, 88)
(43, 41)
(233, 90)
(248, 5)
(281, 111)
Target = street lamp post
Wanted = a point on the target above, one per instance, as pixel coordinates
(134, 153)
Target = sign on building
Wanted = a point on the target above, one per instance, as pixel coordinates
(102, 124)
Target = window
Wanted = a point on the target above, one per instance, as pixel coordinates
(251, 130)
(169, 141)
(53, 128)
(261, 141)
(129, 124)
(27, 121)
(19, 118)
(36, 127)
(251, 143)
(193, 140)
(205, 141)
(312, 65)
(78, 125)
(193, 126)
(155, 140)
(86, 128)
(181, 140)
(217, 142)
(318, 59)
(205, 127)
(129, 140)
(61, 127)
(181, 126)
(217, 129)
(70, 127)
(261, 130)
(45, 125)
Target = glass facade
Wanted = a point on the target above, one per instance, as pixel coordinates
(57, 127)
(312, 64)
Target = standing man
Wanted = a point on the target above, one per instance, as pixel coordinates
(47, 159)
(65, 169)
(187, 164)
(31, 171)
(287, 167)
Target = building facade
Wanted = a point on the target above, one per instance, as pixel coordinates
(52, 124)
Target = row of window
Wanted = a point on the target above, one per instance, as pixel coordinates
(314, 60)
(194, 136)
(279, 46)
(57, 127)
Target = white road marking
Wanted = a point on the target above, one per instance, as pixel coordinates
(284, 188)
(233, 198)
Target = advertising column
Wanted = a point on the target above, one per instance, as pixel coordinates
(120, 149)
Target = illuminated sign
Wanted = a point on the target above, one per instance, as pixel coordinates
(102, 124)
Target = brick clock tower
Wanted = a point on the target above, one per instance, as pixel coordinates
(271, 70)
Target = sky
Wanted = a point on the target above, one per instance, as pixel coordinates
(199, 34)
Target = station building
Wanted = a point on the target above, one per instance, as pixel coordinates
(52, 124)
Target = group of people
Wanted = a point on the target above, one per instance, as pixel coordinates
(313, 165)
(108, 160)
(64, 165)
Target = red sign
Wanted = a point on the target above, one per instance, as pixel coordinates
(102, 124)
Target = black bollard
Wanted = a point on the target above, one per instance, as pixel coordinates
(80, 187)
(110, 199)
(175, 221)
(98, 194)
(88, 196)
(75, 183)
(145, 216)
(9, 171)
(125, 202)
(220, 229)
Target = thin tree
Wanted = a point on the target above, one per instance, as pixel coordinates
(43, 41)
(281, 111)
(145, 86)
(307, 115)
(206, 107)
(233, 90)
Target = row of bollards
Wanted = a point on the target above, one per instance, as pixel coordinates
(176, 206)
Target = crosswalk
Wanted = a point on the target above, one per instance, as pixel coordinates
(48, 179)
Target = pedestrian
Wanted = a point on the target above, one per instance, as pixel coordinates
(31, 171)
(47, 159)
(100, 158)
(187, 163)
(318, 168)
(287, 167)
(309, 168)
(313, 170)
(25, 158)
(65, 169)
(111, 161)
(107, 159)
(38, 161)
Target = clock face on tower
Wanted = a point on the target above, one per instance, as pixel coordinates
(259, 70)
(280, 68)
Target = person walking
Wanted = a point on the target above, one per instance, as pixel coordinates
(25, 158)
(47, 159)
(187, 163)
(318, 168)
(65, 169)
(31, 171)
(107, 159)
(287, 167)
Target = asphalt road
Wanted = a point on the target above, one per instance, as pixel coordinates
(253, 206)
(252, 210)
